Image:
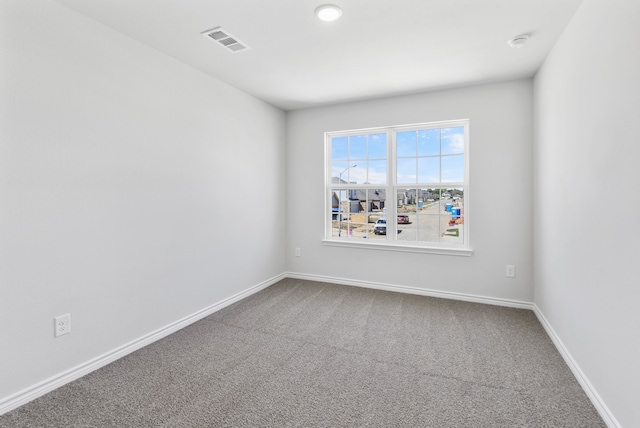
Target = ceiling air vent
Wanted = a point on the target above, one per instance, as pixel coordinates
(226, 40)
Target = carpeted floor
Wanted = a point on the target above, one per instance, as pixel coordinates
(307, 354)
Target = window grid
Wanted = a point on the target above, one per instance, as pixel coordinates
(429, 212)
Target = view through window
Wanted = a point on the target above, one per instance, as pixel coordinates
(416, 175)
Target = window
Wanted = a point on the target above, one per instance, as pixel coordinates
(415, 174)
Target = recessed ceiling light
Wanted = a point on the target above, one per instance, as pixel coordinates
(328, 12)
(518, 42)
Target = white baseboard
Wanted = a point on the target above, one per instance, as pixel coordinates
(48, 385)
(588, 388)
(28, 394)
(414, 290)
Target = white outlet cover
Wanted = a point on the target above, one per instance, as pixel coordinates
(62, 325)
(511, 271)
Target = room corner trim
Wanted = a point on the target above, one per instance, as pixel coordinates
(31, 393)
(586, 385)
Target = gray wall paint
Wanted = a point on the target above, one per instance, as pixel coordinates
(587, 274)
(501, 188)
(131, 190)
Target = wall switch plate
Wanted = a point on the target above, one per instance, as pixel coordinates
(511, 271)
(297, 252)
(62, 324)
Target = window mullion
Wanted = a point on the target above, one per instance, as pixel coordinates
(392, 192)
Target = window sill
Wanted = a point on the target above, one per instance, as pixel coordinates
(447, 251)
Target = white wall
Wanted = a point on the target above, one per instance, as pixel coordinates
(500, 181)
(134, 190)
(587, 272)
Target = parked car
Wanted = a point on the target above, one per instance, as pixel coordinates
(381, 227)
(403, 219)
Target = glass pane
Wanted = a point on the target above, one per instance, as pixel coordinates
(357, 213)
(339, 211)
(407, 228)
(453, 234)
(406, 173)
(377, 173)
(429, 227)
(452, 168)
(407, 232)
(429, 170)
(429, 201)
(338, 170)
(357, 172)
(452, 140)
(433, 198)
(455, 230)
(423, 196)
(376, 202)
(406, 200)
(406, 143)
(377, 146)
(376, 205)
(339, 148)
(457, 196)
(429, 142)
(358, 147)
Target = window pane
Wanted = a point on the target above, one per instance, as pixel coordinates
(457, 195)
(452, 140)
(377, 200)
(452, 168)
(378, 146)
(406, 200)
(377, 173)
(338, 170)
(453, 216)
(455, 231)
(429, 228)
(429, 142)
(406, 143)
(339, 211)
(357, 213)
(453, 234)
(429, 216)
(357, 172)
(339, 148)
(358, 147)
(429, 170)
(424, 199)
(376, 210)
(433, 195)
(406, 173)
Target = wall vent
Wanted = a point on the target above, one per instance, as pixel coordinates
(226, 40)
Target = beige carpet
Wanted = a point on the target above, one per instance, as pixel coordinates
(307, 354)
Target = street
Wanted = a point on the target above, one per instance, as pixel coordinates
(431, 223)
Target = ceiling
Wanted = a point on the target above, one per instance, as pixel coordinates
(378, 48)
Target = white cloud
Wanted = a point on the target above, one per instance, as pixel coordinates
(455, 142)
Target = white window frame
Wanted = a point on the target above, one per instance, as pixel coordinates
(390, 243)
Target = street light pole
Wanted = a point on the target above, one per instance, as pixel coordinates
(340, 201)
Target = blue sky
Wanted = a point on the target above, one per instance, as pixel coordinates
(423, 156)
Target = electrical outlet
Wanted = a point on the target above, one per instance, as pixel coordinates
(62, 324)
(297, 252)
(511, 271)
